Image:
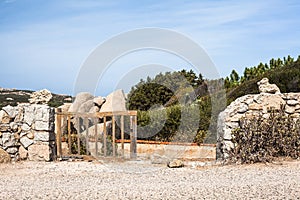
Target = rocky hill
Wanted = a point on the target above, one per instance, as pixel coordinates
(14, 96)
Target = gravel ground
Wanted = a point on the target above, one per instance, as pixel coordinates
(141, 180)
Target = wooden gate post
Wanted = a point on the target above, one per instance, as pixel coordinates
(113, 135)
(104, 136)
(58, 132)
(133, 137)
(78, 133)
(122, 135)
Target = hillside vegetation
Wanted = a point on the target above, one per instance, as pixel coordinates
(13, 97)
(177, 95)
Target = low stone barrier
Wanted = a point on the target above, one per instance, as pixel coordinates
(172, 150)
(27, 132)
(253, 105)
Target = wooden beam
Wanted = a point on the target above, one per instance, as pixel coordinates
(86, 124)
(104, 137)
(78, 134)
(132, 137)
(113, 135)
(69, 134)
(96, 136)
(58, 133)
(122, 135)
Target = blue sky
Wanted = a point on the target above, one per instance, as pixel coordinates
(44, 43)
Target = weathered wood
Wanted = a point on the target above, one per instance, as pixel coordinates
(122, 135)
(117, 113)
(95, 117)
(100, 114)
(96, 136)
(86, 124)
(69, 134)
(104, 137)
(58, 134)
(78, 135)
(132, 137)
(113, 135)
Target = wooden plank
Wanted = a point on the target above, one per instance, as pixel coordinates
(86, 124)
(113, 135)
(100, 114)
(78, 135)
(69, 134)
(117, 113)
(132, 138)
(58, 134)
(96, 136)
(122, 135)
(104, 137)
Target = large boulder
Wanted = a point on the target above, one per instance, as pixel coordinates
(4, 156)
(99, 101)
(114, 102)
(79, 100)
(86, 106)
(65, 107)
(40, 97)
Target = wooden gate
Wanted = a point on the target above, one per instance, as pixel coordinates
(82, 133)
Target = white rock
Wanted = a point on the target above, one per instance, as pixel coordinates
(79, 100)
(11, 111)
(94, 109)
(175, 163)
(243, 108)
(23, 153)
(29, 115)
(40, 97)
(8, 140)
(39, 152)
(292, 102)
(65, 107)
(86, 106)
(42, 136)
(25, 127)
(20, 116)
(26, 142)
(4, 117)
(42, 112)
(114, 102)
(99, 101)
(265, 87)
(42, 126)
(12, 150)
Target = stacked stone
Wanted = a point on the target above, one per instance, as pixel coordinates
(27, 131)
(250, 106)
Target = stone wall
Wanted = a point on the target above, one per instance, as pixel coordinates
(253, 105)
(27, 132)
(189, 152)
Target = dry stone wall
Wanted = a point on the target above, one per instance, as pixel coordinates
(253, 105)
(27, 132)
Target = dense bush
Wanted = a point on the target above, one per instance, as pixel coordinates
(169, 125)
(261, 140)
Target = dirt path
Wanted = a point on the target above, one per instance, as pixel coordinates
(140, 180)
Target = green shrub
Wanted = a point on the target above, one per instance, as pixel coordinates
(170, 126)
(261, 140)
